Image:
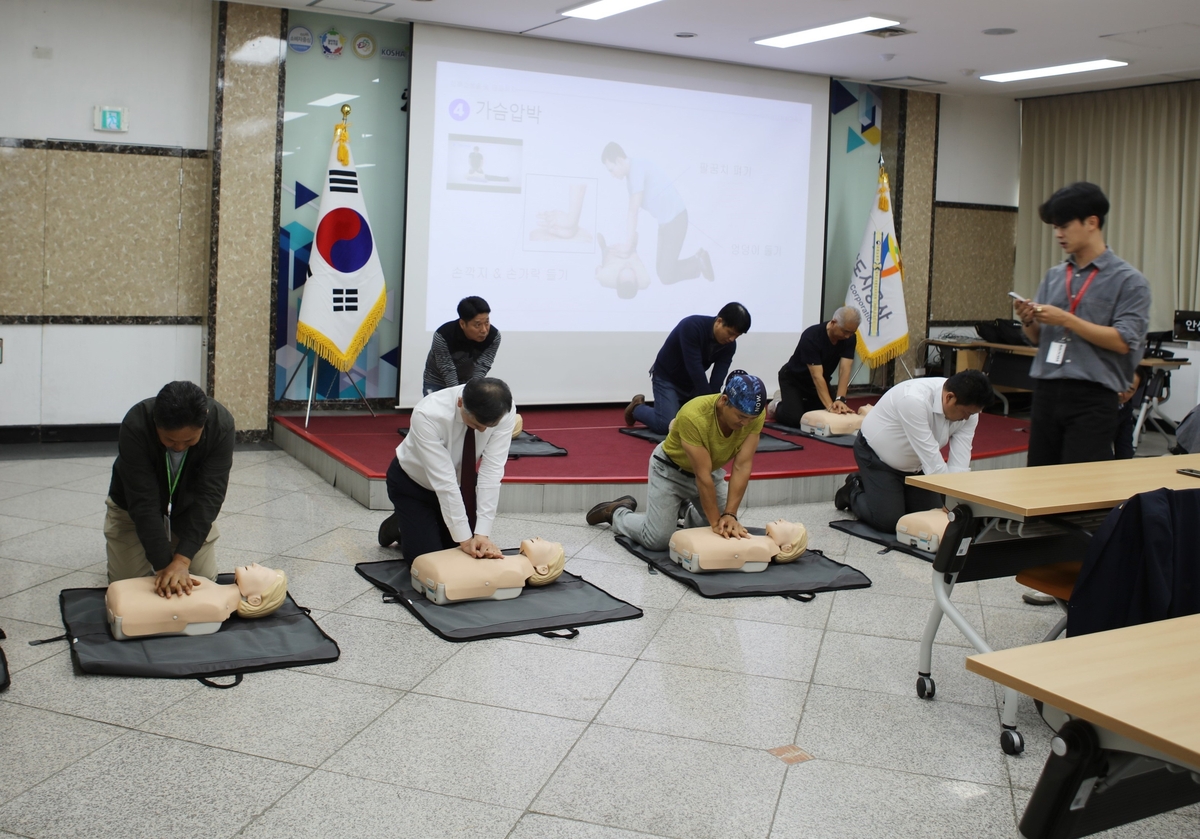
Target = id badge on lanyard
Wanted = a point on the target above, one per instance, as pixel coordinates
(1057, 351)
(172, 482)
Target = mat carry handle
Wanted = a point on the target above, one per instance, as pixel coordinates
(237, 680)
(565, 634)
(800, 596)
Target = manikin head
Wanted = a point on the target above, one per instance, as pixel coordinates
(791, 537)
(614, 159)
(1076, 213)
(262, 589)
(844, 324)
(733, 321)
(474, 318)
(484, 402)
(547, 559)
(627, 284)
(180, 411)
(965, 394)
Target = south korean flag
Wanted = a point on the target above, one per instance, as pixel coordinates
(344, 296)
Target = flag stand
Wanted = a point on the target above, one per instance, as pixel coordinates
(312, 388)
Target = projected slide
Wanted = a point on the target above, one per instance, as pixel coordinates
(585, 205)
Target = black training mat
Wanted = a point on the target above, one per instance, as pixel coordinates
(523, 445)
(566, 604)
(766, 442)
(812, 572)
(844, 440)
(286, 638)
(864, 531)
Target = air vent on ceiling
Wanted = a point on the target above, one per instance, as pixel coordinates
(907, 81)
(889, 32)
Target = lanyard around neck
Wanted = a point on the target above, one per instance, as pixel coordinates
(173, 480)
(1074, 301)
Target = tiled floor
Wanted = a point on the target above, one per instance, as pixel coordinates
(654, 727)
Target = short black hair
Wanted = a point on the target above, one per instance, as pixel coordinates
(469, 307)
(735, 316)
(487, 400)
(971, 387)
(1076, 202)
(612, 153)
(180, 405)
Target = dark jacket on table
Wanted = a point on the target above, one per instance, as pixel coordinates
(1141, 564)
(139, 481)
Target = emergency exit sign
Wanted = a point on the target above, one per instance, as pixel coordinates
(108, 118)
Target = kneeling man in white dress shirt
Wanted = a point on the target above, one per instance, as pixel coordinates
(903, 436)
(445, 479)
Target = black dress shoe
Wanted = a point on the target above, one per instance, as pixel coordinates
(389, 531)
(602, 513)
(841, 498)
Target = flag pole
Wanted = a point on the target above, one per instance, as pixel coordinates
(312, 388)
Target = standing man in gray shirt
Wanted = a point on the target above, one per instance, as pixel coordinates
(1088, 321)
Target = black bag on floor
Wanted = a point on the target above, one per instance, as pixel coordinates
(4, 680)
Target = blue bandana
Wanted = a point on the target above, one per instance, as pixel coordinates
(746, 393)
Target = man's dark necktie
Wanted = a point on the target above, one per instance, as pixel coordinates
(467, 484)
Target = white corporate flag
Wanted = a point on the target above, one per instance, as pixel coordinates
(877, 287)
(344, 295)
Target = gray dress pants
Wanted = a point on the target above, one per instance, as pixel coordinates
(668, 487)
(883, 497)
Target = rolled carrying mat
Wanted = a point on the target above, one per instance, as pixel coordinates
(286, 638)
(766, 442)
(800, 579)
(562, 606)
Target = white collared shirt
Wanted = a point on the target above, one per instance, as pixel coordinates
(431, 455)
(907, 429)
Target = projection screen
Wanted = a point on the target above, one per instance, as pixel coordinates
(594, 197)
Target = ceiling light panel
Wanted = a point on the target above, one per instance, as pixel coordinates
(824, 33)
(1059, 70)
(605, 8)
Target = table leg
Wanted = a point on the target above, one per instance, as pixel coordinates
(943, 584)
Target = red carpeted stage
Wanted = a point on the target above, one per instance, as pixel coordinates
(352, 452)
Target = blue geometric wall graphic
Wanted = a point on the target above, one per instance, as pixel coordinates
(299, 236)
(853, 140)
(839, 100)
(304, 195)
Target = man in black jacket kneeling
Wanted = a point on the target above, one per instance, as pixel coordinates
(168, 484)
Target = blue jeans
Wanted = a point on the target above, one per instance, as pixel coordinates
(667, 402)
(428, 387)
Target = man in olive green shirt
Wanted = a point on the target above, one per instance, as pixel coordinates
(689, 467)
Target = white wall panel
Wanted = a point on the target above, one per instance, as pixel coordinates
(21, 375)
(150, 56)
(94, 374)
(979, 150)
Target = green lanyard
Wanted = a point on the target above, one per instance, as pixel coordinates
(173, 480)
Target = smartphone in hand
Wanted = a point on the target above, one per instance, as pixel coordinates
(1018, 297)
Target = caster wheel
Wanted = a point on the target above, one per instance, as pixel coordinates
(925, 687)
(1012, 742)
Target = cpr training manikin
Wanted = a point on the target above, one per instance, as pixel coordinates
(451, 576)
(699, 549)
(923, 529)
(136, 610)
(829, 424)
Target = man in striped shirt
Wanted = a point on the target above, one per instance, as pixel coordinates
(462, 349)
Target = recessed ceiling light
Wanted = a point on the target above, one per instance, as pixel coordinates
(598, 9)
(685, 34)
(823, 33)
(999, 30)
(1060, 70)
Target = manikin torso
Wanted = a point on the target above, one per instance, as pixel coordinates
(451, 576)
(923, 529)
(699, 549)
(135, 609)
(828, 424)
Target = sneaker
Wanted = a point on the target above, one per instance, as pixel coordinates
(841, 499)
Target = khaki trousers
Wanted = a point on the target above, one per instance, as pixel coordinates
(127, 557)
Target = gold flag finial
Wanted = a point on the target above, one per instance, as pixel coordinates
(341, 134)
